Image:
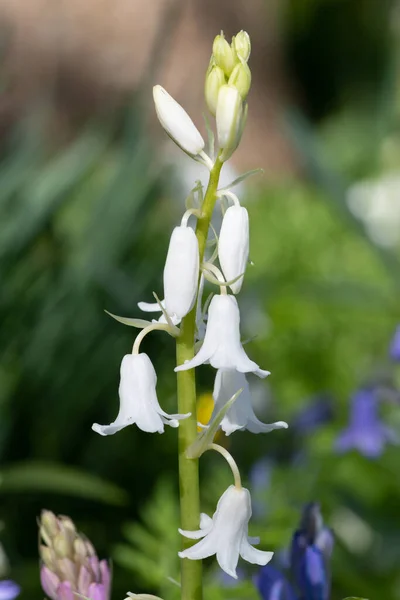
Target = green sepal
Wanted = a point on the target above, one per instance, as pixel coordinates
(206, 437)
(139, 323)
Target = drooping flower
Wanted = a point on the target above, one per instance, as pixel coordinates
(226, 533)
(9, 589)
(365, 432)
(233, 245)
(176, 122)
(273, 585)
(181, 272)
(70, 565)
(241, 414)
(310, 552)
(394, 350)
(138, 399)
(222, 346)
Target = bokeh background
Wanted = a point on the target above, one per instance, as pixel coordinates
(90, 189)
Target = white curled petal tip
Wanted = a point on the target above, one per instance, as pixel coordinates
(151, 306)
(261, 373)
(176, 122)
(253, 555)
(192, 535)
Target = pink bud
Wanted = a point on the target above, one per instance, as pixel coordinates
(97, 591)
(65, 591)
(50, 582)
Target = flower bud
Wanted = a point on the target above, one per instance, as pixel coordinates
(233, 245)
(242, 45)
(215, 78)
(67, 569)
(241, 79)
(224, 55)
(229, 119)
(181, 272)
(176, 122)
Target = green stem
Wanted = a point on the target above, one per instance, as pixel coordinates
(191, 570)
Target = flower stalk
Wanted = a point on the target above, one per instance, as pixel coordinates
(191, 571)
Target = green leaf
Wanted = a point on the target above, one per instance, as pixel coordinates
(206, 437)
(240, 179)
(59, 479)
(140, 323)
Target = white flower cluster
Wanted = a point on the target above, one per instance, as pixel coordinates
(218, 328)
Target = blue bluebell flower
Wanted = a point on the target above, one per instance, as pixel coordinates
(9, 589)
(309, 557)
(310, 552)
(273, 585)
(365, 432)
(394, 349)
(316, 413)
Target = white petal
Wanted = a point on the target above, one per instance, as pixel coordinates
(229, 115)
(228, 557)
(262, 374)
(203, 549)
(256, 426)
(206, 522)
(151, 306)
(253, 555)
(177, 122)
(233, 245)
(193, 535)
(181, 272)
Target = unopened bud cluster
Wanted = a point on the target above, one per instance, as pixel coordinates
(70, 565)
(227, 84)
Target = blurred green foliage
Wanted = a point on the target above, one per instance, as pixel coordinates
(84, 228)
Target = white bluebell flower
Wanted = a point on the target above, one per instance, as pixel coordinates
(241, 414)
(138, 399)
(226, 533)
(222, 347)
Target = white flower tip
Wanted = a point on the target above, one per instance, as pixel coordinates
(262, 374)
(281, 425)
(99, 429)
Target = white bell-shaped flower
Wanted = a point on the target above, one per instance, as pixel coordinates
(241, 414)
(222, 347)
(181, 272)
(226, 534)
(138, 399)
(176, 122)
(233, 245)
